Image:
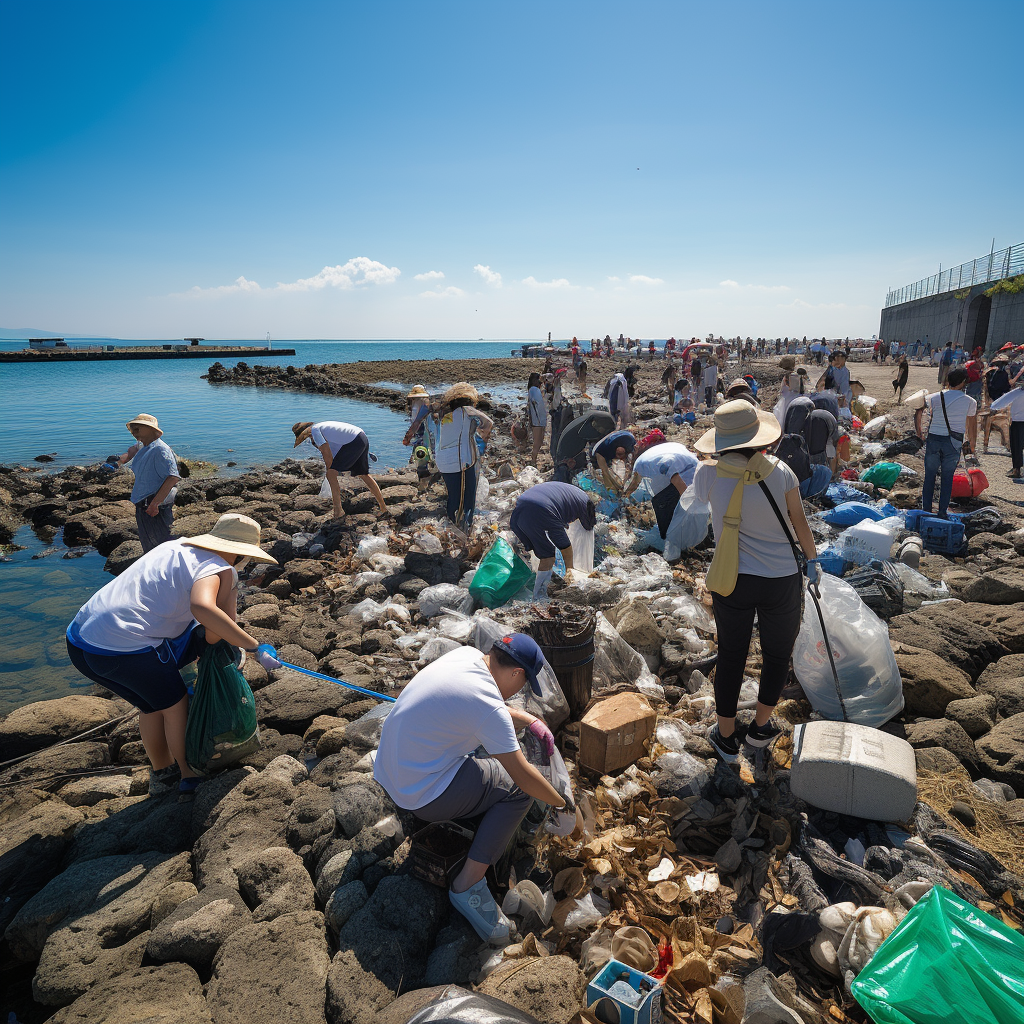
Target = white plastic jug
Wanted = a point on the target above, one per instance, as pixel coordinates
(864, 543)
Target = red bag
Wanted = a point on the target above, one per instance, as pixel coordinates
(969, 484)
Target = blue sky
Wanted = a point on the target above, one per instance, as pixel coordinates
(310, 169)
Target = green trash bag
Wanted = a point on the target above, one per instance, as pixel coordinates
(222, 725)
(882, 474)
(946, 961)
(500, 575)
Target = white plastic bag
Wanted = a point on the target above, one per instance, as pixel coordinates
(875, 428)
(445, 597)
(868, 677)
(370, 546)
(455, 626)
(582, 542)
(366, 611)
(689, 525)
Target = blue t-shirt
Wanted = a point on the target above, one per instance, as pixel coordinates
(153, 463)
(553, 506)
(617, 439)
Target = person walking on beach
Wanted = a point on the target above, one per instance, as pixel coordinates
(538, 415)
(418, 402)
(755, 503)
(900, 380)
(156, 480)
(952, 416)
(710, 382)
(457, 455)
(668, 468)
(427, 761)
(617, 393)
(945, 363)
(133, 635)
(345, 449)
(541, 519)
(669, 377)
(581, 378)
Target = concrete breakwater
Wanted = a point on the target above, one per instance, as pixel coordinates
(113, 352)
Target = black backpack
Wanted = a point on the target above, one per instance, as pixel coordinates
(792, 450)
(816, 432)
(998, 383)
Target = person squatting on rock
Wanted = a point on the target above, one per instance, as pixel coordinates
(135, 634)
(755, 569)
(540, 521)
(952, 415)
(458, 454)
(617, 446)
(345, 449)
(426, 761)
(668, 468)
(156, 480)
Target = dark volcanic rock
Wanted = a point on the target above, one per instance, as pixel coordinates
(1005, 681)
(46, 722)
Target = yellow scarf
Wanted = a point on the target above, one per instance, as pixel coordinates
(725, 566)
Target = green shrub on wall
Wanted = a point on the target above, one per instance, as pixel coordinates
(1008, 286)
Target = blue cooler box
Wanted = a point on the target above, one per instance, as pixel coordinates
(610, 1009)
(940, 536)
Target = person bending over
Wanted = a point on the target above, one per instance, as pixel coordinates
(345, 448)
(618, 445)
(668, 468)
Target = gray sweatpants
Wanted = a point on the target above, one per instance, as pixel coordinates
(482, 786)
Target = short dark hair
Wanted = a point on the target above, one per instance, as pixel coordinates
(458, 403)
(956, 377)
(504, 659)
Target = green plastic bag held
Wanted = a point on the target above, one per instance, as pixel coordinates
(882, 474)
(222, 725)
(946, 961)
(500, 575)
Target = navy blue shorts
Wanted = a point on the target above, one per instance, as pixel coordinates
(354, 457)
(149, 681)
(537, 532)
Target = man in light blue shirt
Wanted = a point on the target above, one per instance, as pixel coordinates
(156, 480)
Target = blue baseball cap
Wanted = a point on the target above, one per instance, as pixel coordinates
(523, 650)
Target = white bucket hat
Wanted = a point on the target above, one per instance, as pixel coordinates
(917, 399)
(234, 534)
(145, 420)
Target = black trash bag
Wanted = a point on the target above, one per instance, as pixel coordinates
(879, 587)
(983, 520)
(910, 444)
(457, 1005)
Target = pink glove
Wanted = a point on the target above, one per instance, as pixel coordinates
(543, 733)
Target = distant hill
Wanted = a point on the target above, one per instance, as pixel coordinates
(17, 333)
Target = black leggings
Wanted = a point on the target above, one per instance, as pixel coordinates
(1017, 444)
(778, 604)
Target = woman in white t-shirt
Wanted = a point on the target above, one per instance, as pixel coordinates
(538, 415)
(134, 634)
(345, 448)
(767, 582)
(457, 454)
(954, 417)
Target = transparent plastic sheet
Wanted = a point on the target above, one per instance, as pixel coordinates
(868, 677)
(680, 774)
(444, 596)
(615, 663)
(945, 961)
(456, 1005)
(917, 588)
(370, 546)
(435, 647)
(387, 564)
(483, 490)
(426, 542)
(672, 733)
(685, 608)
(366, 611)
(689, 525)
(365, 731)
(454, 626)
(582, 542)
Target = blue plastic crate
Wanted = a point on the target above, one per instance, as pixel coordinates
(939, 536)
(832, 563)
(649, 1010)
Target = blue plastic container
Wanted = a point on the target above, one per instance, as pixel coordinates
(832, 562)
(649, 1010)
(940, 536)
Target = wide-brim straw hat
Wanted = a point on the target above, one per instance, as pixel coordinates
(233, 534)
(787, 363)
(739, 425)
(301, 432)
(419, 391)
(461, 390)
(145, 420)
(917, 399)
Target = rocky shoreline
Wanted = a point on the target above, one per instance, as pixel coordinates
(282, 892)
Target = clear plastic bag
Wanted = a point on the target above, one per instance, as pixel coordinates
(680, 774)
(672, 733)
(435, 647)
(615, 662)
(917, 588)
(868, 677)
(582, 542)
(370, 546)
(689, 525)
(445, 597)
(455, 626)
(366, 611)
(365, 731)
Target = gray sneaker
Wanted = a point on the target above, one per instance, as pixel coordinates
(477, 906)
(164, 780)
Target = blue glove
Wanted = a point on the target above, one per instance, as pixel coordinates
(111, 466)
(267, 657)
(812, 570)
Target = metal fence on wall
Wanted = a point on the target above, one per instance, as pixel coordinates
(993, 267)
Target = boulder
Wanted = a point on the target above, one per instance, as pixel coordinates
(1004, 679)
(89, 922)
(116, 534)
(1002, 750)
(292, 701)
(168, 994)
(251, 817)
(257, 977)
(196, 929)
(551, 988)
(1004, 621)
(159, 825)
(272, 745)
(56, 761)
(305, 572)
(122, 556)
(345, 901)
(266, 615)
(168, 899)
(946, 631)
(360, 803)
(31, 848)
(936, 759)
(88, 792)
(275, 882)
(1003, 586)
(311, 816)
(946, 734)
(929, 682)
(976, 714)
(45, 722)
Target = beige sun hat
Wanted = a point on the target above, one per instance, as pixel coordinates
(301, 432)
(787, 363)
(145, 420)
(917, 399)
(461, 390)
(739, 425)
(233, 534)
(419, 391)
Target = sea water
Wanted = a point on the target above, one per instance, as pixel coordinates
(77, 412)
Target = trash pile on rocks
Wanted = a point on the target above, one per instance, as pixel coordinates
(287, 890)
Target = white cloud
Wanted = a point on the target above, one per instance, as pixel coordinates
(430, 275)
(451, 292)
(241, 284)
(490, 276)
(360, 270)
(559, 282)
(729, 283)
(644, 279)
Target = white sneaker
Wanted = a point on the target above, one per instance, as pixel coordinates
(477, 906)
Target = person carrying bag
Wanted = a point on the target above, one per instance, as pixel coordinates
(756, 569)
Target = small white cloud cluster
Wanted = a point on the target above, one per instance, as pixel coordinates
(490, 276)
(451, 292)
(430, 275)
(559, 282)
(360, 270)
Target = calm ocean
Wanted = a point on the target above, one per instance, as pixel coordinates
(78, 412)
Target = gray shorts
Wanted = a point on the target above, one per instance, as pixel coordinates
(153, 530)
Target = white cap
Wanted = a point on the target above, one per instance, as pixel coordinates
(917, 399)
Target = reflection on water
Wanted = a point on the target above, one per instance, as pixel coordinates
(39, 598)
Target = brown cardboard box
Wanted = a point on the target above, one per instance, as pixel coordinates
(613, 733)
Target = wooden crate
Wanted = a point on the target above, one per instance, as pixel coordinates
(613, 733)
